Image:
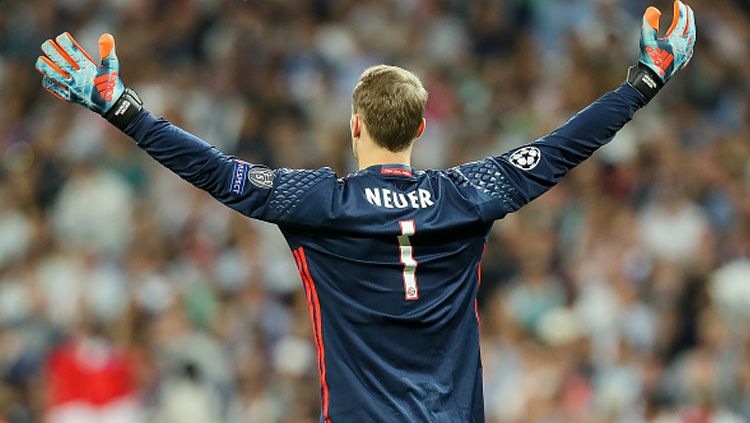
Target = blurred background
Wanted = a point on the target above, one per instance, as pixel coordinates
(126, 295)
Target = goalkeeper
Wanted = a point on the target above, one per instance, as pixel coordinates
(389, 256)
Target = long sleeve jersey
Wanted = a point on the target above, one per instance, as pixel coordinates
(389, 256)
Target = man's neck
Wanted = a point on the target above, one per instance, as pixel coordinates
(382, 156)
(365, 165)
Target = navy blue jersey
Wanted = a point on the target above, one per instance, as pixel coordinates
(390, 256)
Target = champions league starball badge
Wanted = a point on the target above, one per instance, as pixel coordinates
(525, 158)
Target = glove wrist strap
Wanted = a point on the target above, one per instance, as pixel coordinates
(643, 79)
(125, 109)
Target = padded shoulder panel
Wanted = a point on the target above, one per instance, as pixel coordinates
(487, 178)
(292, 186)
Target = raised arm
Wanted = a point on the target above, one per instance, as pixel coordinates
(254, 190)
(505, 183)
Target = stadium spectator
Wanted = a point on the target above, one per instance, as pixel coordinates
(619, 296)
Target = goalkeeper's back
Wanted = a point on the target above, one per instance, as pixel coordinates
(389, 256)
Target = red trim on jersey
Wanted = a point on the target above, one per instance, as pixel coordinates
(396, 171)
(310, 307)
(479, 282)
(315, 318)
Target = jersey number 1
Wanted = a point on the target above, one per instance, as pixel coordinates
(408, 228)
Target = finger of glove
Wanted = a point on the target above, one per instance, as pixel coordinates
(55, 89)
(690, 31)
(650, 26)
(690, 27)
(679, 21)
(51, 70)
(107, 48)
(74, 50)
(691, 36)
(675, 18)
(59, 57)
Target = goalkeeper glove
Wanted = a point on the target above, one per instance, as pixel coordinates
(70, 74)
(662, 57)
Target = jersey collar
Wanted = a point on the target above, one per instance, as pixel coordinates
(392, 170)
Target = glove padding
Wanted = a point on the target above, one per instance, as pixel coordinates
(71, 74)
(667, 55)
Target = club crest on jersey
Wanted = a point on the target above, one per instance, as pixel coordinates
(525, 158)
(261, 177)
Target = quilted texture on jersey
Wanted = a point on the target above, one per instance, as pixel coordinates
(486, 177)
(292, 187)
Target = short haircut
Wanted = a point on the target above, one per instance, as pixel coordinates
(391, 101)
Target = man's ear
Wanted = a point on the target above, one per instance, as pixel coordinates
(420, 130)
(356, 126)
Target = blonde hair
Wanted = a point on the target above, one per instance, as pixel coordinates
(391, 101)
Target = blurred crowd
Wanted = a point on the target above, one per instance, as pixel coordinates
(126, 295)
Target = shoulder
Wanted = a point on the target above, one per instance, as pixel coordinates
(303, 177)
(293, 183)
(292, 186)
(486, 175)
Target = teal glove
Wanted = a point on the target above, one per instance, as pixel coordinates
(70, 74)
(667, 55)
(662, 57)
